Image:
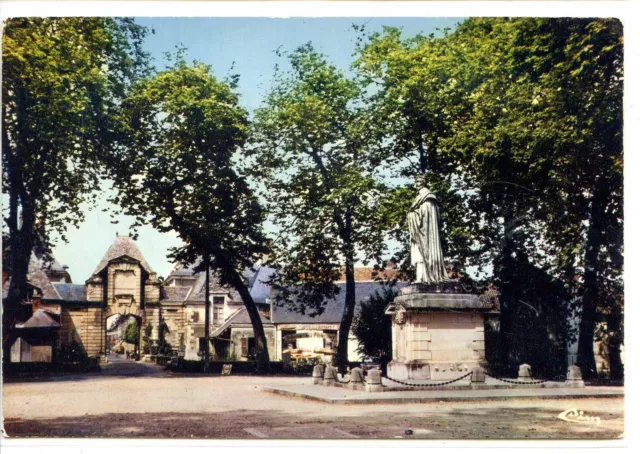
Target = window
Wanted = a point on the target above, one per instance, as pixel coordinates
(244, 350)
(218, 309)
(218, 314)
(248, 347)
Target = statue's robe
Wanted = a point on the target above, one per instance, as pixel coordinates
(426, 250)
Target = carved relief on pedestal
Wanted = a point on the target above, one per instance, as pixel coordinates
(400, 316)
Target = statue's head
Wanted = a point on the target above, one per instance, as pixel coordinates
(420, 181)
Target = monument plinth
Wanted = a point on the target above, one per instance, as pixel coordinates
(438, 325)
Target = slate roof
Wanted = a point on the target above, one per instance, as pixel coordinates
(37, 278)
(260, 291)
(174, 294)
(39, 319)
(51, 266)
(123, 245)
(71, 292)
(199, 289)
(180, 270)
(334, 307)
(239, 318)
(255, 281)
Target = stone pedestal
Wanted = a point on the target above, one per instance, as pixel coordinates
(330, 376)
(374, 381)
(318, 374)
(356, 379)
(438, 332)
(409, 370)
(477, 375)
(574, 377)
(524, 372)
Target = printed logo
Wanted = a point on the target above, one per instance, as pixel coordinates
(578, 416)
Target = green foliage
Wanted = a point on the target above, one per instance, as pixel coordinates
(517, 123)
(146, 339)
(176, 168)
(62, 82)
(132, 334)
(163, 347)
(372, 327)
(317, 154)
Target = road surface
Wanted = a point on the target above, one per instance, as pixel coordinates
(130, 399)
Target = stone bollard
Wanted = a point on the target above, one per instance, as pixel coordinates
(574, 377)
(330, 376)
(524, 373)
(356, 382)
(477, 375)
(374, 381)
(318, 374)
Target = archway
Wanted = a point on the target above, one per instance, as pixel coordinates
(122, 334)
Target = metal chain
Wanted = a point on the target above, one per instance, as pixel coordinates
(516, 382)
(428, 385)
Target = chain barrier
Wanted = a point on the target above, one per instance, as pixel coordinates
(428, 385)
(516, 382)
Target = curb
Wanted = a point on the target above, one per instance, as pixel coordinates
(425, 399)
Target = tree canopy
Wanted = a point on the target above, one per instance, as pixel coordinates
(174, 168)
(525, 134)
(318, 157)
(62, 81)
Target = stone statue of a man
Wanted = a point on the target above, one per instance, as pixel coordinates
(426, 250)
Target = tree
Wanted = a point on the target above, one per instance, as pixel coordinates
(372, 327)
(62, 82)
(532, 139)
(316, 154)
(146, 339)
(174, 168)
(132, 334)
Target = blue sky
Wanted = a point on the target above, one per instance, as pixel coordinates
(247, 45)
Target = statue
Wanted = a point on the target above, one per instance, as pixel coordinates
(426, 249)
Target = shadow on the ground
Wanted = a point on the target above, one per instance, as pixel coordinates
(482, 423)
(122, 368)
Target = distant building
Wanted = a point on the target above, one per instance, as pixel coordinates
(123, 284)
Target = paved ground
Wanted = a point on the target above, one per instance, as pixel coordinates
(140, 400)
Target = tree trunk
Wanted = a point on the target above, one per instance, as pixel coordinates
(505, 278)
(586, 357)
(342, 356)
(262, 351)
(614, 341)
(207, 321)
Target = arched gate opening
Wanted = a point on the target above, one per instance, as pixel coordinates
(123, 336)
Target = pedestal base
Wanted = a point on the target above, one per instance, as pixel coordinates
(409, 370)
(429, 370)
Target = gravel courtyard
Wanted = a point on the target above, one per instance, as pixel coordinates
(157, 404)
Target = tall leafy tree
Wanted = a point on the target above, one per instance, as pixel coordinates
(176, 168)
(372, 327)
(317, 156)
(533, 142)
(62, 80)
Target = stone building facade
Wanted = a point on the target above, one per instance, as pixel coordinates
(124, 284)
